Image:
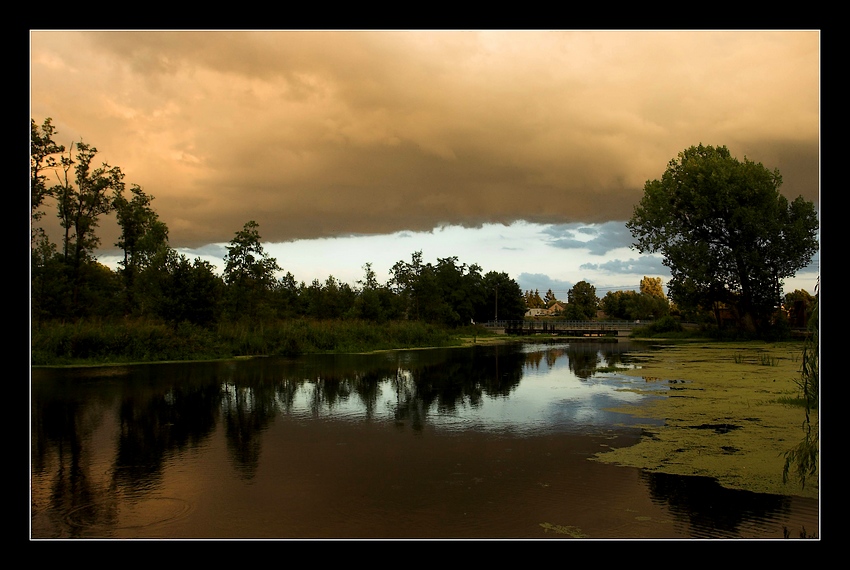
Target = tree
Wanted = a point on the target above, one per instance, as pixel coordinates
(802, 459)
(143, 235)
(651, 302)
(582, 302)
(652, 286)
(533, 300)
(726, 233)
(84, 199)
(42, 157)
(81, 200)
(418, 289)
(799, 305)
(620, 304)
(248, 271)
(503, 299)
(404, 283)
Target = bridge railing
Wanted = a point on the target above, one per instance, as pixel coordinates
(572, 325)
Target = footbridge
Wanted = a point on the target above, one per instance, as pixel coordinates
(565, 328)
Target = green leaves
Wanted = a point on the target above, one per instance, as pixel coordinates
(249, 272)
(724, 230)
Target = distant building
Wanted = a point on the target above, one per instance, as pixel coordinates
(555, 308)
(536, 312)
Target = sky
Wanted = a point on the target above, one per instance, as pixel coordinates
(524, 152)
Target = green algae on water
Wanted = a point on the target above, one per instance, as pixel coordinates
(731, 415)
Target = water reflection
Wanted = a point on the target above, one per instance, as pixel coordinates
(126, 451)
(709, 510)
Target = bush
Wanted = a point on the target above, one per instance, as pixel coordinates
(665, 325)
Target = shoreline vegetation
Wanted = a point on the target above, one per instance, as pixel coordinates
(95, 342)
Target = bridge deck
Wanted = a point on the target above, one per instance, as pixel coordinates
(578, 329)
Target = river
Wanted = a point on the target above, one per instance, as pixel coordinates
(485, 442)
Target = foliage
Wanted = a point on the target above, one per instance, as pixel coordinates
(726, 233)
(83, 199)
(162, 289)
(502, 298)
(649, 303)
(42, 158)
(150, 340)
(619, 304)
(799, 305)
(249, 273)
(143, 237)
(108, 341)
(533, 300)
(666, 326)
(184, 291)
(652, 286)
(802, 460)
(582, 302)
(452, 293)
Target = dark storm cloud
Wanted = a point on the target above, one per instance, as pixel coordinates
(315, 134)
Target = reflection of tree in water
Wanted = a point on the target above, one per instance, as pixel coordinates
(583, 358)
(60, 430)
(158, 411)
(249, 405)
(458, 379)
(157, 421)
(408, 407)
(711, 510)
(367, 386)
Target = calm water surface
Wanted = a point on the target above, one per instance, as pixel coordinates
(485, 442)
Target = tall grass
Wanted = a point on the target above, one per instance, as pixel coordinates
(93, 342)
(97, 341)
(802, 460)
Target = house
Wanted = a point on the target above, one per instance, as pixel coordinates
(536, 313)
(555, 308)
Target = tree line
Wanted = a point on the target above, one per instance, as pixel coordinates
(154, 281)
(727, 235)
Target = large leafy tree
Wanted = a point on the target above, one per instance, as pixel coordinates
(582, 302)
(503, 299)
(726, 233)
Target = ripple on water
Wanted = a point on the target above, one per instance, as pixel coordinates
(98, 519)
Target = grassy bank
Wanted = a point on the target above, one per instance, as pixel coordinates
(107, 342)
(732, 412)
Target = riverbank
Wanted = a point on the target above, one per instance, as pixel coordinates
(124, 341)
(731, 412)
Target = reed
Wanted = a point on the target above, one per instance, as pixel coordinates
(142, 340)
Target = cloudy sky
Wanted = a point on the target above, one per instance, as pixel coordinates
(522, 151)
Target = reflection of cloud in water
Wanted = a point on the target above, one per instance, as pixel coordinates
(550, 396)
(554, 399)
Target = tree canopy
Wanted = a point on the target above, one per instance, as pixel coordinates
(582, 302)
(726, 233)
